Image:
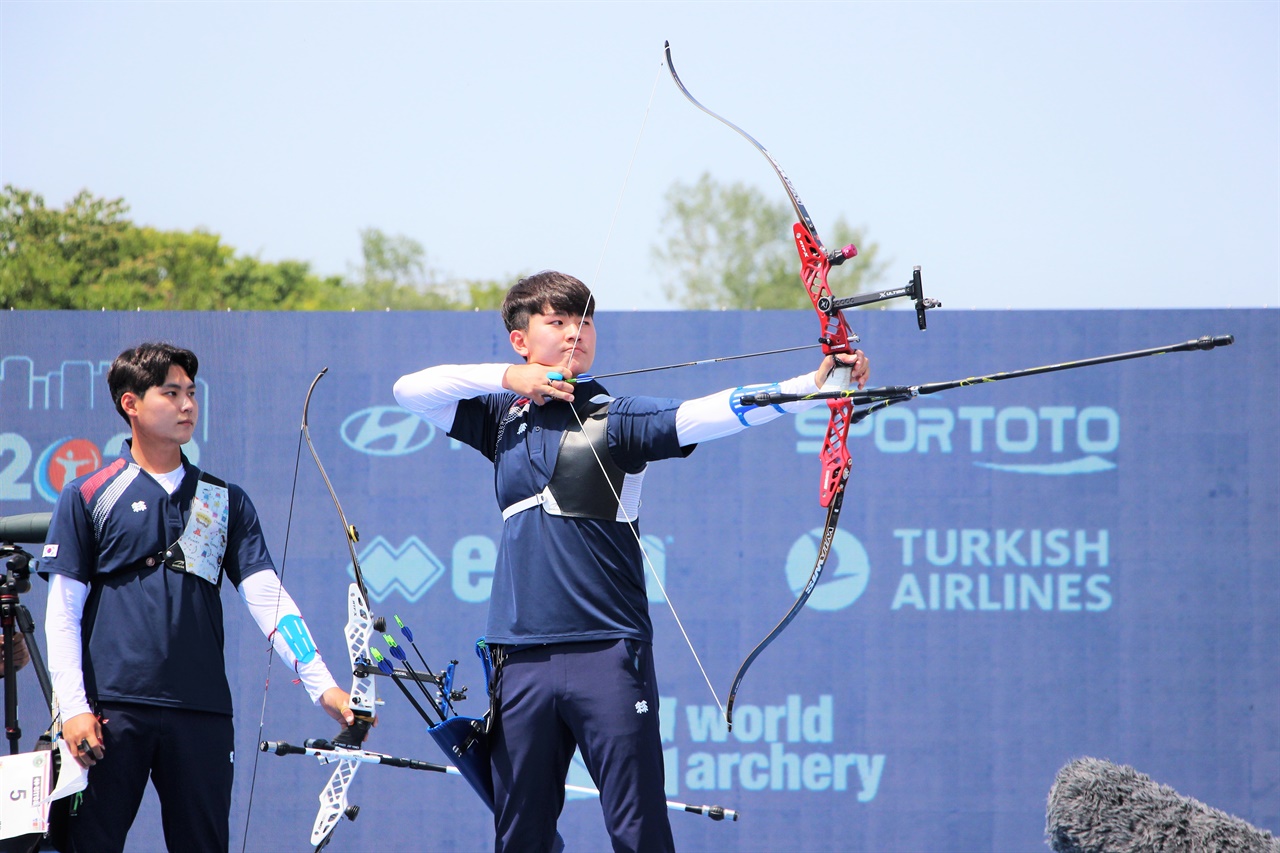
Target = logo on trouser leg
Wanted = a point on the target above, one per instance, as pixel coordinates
(642, 707)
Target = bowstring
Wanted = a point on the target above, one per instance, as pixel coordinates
(632, 523)
(271, 650)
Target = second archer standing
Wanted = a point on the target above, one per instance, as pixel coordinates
(136, 553)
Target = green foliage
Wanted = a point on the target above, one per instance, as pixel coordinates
(731, 247)
(487, 294)
(89, 255)
(395, 276)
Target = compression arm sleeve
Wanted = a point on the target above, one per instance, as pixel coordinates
(280, 620)
(720, 414)
(62, 616)
(433, 394)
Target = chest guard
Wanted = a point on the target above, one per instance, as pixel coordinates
(200, 549)
(586, 482)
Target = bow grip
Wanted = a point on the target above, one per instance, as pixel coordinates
(353, 735)
(839, 379)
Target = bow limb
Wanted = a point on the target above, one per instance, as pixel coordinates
(349, 530)
(836, 338)
(360, 627)
(360, 622)
(824, 550)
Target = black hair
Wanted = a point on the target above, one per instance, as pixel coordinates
(535, 294)
(146, 366)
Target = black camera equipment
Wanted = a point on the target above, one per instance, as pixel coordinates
(14, 616)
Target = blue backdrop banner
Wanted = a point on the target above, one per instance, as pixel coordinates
(1082, 563)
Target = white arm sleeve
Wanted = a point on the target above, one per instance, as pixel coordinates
(433, 394)
(720, 414)
(62, 616)
(270, 603)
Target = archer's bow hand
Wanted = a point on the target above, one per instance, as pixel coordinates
(844, 370)
(336, 702)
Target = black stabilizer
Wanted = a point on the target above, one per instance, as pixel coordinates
(870, 395)
(1211, 341)
(279, 747)
(1099, 807)
(916, 291)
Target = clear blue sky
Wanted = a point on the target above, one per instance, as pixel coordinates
(1034, 155)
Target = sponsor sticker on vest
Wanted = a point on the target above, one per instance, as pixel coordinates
(204, 541)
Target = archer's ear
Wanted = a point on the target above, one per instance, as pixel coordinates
(519, 343)
(129, 402)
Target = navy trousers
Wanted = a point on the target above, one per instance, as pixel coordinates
(188, 757)
(601, 697)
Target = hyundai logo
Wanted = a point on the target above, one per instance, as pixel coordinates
(386, 431)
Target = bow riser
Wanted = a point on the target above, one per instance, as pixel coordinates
(359, 630)
(835, 337)
(836, 461)
(333, 801)
(834, 333)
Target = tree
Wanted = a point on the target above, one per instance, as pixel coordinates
(488, 294)
(89, 256)
(730, 247)
(395, 276)
(48, 257)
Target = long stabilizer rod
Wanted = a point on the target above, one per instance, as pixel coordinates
(897, 393)
(326, 752)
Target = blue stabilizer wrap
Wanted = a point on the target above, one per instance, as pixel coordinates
(739, 410)
(298, 638)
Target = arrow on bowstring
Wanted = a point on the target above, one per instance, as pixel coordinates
(587, 377)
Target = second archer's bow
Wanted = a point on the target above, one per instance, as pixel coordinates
(359, 628)
(836, 338)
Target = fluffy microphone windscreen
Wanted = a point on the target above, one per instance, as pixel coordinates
(1099, 807)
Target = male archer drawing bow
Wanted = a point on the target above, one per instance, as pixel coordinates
(568, 616)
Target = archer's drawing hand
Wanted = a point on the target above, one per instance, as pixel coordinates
(856, 360)
(530, 380)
